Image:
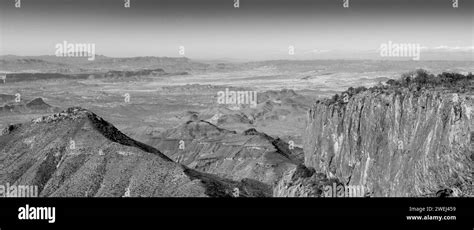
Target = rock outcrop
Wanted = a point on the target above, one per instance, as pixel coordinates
(302, 182)
(395, 143)
(37, 105)
(412, 137)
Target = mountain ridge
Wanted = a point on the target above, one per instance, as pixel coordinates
(77, 153)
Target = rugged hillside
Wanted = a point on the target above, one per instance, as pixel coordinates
(77, 153)
(413, 140)
(36, 105)
(302, 182)
(208, 148)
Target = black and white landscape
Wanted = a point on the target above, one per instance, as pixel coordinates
(233, 98)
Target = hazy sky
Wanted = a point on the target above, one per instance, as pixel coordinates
(212, 29)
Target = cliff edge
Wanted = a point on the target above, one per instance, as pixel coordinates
(405, 138)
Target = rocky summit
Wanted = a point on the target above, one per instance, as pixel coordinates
(77, 153)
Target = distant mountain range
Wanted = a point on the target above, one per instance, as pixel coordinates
(54, 64)
(50, 63)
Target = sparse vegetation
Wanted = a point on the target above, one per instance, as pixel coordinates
(414, 81)
(422, 79)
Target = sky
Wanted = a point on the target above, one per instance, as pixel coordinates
(214, 29)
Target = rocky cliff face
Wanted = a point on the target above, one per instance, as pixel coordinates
(395, 143)
(303, 182)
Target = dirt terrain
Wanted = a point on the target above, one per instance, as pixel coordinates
(173, 105)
